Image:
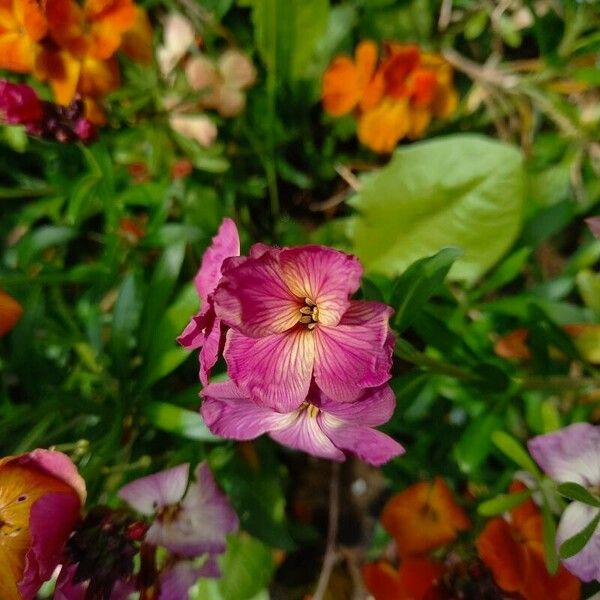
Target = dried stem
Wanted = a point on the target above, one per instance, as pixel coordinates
(330, 549)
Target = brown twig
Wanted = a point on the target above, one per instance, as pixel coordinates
(330, 549)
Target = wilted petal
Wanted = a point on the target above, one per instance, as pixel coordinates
(193, 335)
(148, 494)
(275, 371)
(570, 454)
(325, 276)
(356, 353)
(229, 413)
(254, 298)
(576, 518)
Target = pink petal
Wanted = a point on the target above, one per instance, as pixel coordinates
(569, 454)
(65, 588)
(176, 581)
(202, 523)
(275, 371)
(326, 276)
(374, 406)
(594, 224)
(193, 335)
(209, 354)
(585, 564)
(51, 522)
(225, 244)
(230, 414)
(302, 431)
(151, 493)
(254, 299)
(356, 353)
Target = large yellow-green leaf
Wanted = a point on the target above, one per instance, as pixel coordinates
(464, 191)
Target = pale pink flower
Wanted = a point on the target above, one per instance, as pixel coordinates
(205, 330)
(222, 82)
(320, 426)
(196, 127)
(572, 454)
(292, 319)
(178, 38)
(177, 579)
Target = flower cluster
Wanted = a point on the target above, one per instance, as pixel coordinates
(215, 84)
(20, 105)
(393, 97)
(307, 364)
(71, 46)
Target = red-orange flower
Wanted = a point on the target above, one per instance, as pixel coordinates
(22, 26)
(414, 580)
(514, 551)
(10, 312)
(423, 517)
(350, 83)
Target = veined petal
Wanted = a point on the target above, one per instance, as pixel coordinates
(176, 581)
(370, 445)
(224, 244)
(229, 413)
(569, 454)
(193, 335)
(275, 371)
(577, 517)
(148, 494)
(254, 298)
(302, 430)
(325, 276)
(355, 354)
(213, 344)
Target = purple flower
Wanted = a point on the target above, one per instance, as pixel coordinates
(188, 523)
(320, 426)
(176, 580)
(594, 225)
(205, 330)
(19, 104)
(292, 318)
(572, 454)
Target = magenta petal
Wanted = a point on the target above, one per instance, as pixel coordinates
(356, 353)
(302, 431)
(65, 588)
(193, 335)
(51, 522)
(148, 494)
(209, 355)
(254, 299)
(274, 371)
(373, 407)
(569, 454)
(230, 414)
(594, 224)
(225, 244)
(326, 276)
(584, 564)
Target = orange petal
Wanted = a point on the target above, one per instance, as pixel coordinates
(402, 60)
(17, 52)
(382, 581)
(137, 41)
(94, 112)
(445, 101)
(10, 312)
(62, 71)
(8, 21)
(513, 345)
(418, 576)
(419, 122)
(67, 26)
(365, 56)
(340, 87)
(423, 85)
(98, 77)
(31, 18)
(382, 127)
(423, 517)
(109, 20)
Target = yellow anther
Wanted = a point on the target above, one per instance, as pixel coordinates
(306, 319)
(309, 302)
(312, 410)
(306, 310)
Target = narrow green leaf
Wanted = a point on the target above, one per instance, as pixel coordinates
(549, 530)
(574, 491)
(513, 449)
(474, 446)
(577, 543)
(502, 503)
(125, 318)
(179, 421)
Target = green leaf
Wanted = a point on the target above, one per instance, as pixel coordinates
(286, 34)
(474, 445)
(179, 421)
(577, 543)
(418, 283)
(513, 449)
(462, 191)
(41, 239)
(549, 533)
(574, 491)
(502, 503)
(506, 271)
(125, 318)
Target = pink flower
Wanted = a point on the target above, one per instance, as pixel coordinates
(594, 225)
(41, 495)
(188, 523)
(176, 580)
(205, 330)
(19, 104)
(292, 318)
(572, 454)
(320, 426)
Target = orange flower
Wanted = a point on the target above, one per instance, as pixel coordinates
(382, 127)
(423, 517)
(350, 83)
(10, 312)
(137, 41)
(401, 62)
(514, 551)
(415, 579)
(22, 26)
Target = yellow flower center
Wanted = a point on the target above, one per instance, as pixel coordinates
(311, 409)
(310, 314)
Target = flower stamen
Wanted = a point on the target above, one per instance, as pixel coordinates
(310, 314)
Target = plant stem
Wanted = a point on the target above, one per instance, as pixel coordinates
(330, 549)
